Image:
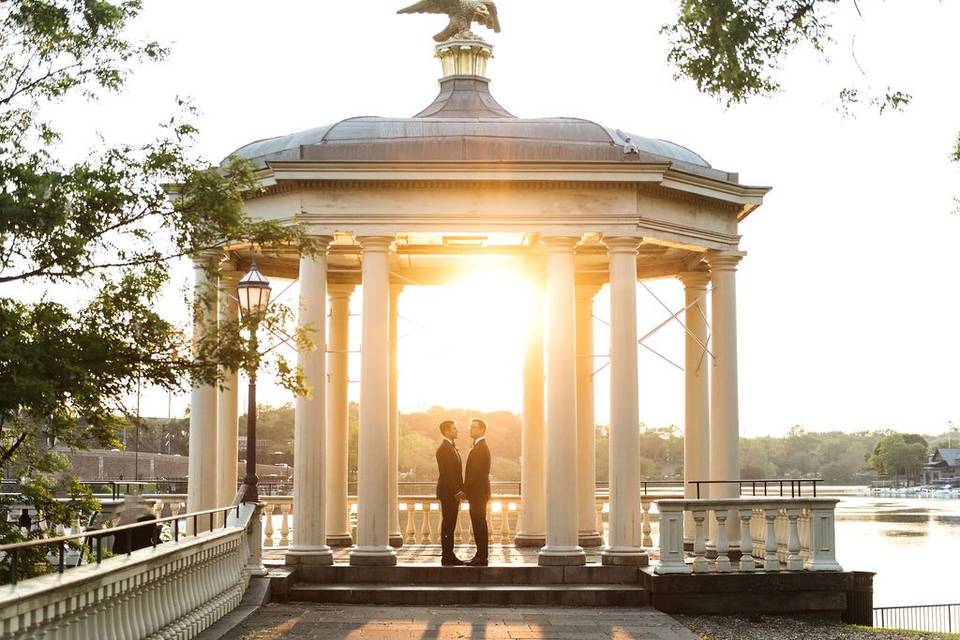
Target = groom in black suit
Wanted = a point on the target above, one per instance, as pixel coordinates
(449, 490)
(476, 487)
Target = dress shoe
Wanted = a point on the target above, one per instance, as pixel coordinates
(478, 562)
(452, 562)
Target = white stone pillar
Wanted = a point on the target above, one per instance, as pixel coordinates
(624, 545)
(228, 413)
(696, 427)
(338, 416)
(562, 547)
(530, 528)
(396, 537)
(203, 483)
(310, 424)
(586, 426)
(724, 400)
(373, 520)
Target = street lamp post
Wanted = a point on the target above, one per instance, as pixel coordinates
(253, 291)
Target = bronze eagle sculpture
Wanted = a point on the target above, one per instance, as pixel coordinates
(463, 13)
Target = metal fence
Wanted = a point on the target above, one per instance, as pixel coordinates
(937, 618)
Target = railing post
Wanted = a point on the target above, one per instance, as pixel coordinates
(794, 561)
(255, 541)
(823, 549)
(723, 545)
(770, 561)
(700, 564)
(747, 563)
(646, 529)
(671, 538)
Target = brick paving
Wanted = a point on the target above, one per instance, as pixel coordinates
(336, 622)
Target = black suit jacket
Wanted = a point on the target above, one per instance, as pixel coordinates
(476, 482)
(450, 480)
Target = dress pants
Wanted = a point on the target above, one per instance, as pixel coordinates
(478, 518)
(449, 510)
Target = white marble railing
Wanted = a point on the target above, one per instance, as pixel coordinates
(174, 590)
(775, 534)
(420, 519)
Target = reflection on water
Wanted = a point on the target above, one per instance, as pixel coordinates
(913, 546)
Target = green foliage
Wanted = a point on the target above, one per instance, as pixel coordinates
(103, 233)
(899, 454)
(732, 49)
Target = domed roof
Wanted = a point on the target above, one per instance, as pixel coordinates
(466, 124)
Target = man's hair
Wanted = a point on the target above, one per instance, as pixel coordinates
(445, 425)
(483, 425)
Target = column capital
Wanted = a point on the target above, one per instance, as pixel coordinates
(622, 244)
(560, 244)
(338, 291)
(588, 291)
(694, 279)
(724, 260)
(321, 242)
(379, 244)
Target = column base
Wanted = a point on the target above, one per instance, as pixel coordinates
(309, 557)
(529, 541)
(637, 558)
(562, 557)
(340, 540)
(396, 540)
(590, 539)
(373, 557)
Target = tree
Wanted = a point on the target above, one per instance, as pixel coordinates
(104, 231)
(733, 49)
(899, 454)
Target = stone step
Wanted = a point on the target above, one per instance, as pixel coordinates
(567, 595)
(502, 574)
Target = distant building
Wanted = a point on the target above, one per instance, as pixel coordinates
(944, 464)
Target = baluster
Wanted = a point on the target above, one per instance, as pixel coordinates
(598, 523)
(410, 536)
(268, 524)
(794, 561)
(647, 540)
(747, 562)
(504, 523)
(433, 522)
(285, 525)
(723, 545)
(425, 524)
(700, 564)
(770, 561)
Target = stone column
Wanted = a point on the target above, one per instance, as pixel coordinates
(624, 545)
(373, 536)
(724, 401)
(586, 426)
(310, 423)
(696, 426)
(562, 546)
(530, 528)
(203, 483)
(338, 416)
(228, 413)
(396, 537)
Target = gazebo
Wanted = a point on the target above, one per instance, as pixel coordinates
(400, 202)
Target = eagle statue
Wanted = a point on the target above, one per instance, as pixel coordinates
(463, 13)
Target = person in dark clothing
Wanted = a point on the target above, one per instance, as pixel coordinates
(476, 487)
(449, 490)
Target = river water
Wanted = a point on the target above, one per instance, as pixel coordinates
(912, 544)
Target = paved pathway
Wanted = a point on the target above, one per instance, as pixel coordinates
(335, 622)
